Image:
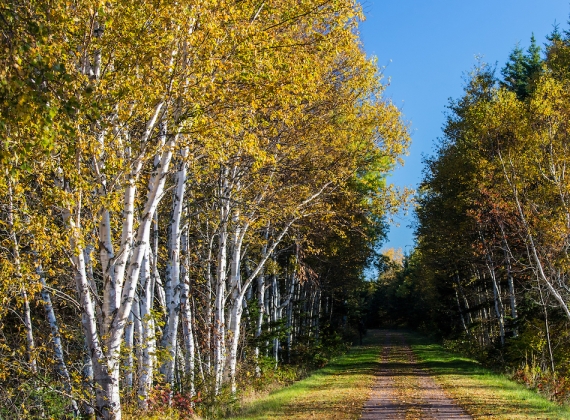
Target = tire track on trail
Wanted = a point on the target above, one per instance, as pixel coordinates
(403, 390)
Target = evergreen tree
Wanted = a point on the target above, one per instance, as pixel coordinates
(521, 69)
(533, 62)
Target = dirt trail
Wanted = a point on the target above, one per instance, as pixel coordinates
(405, 391)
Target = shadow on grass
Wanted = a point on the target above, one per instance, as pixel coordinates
(481, 391)
(305, 398)
(477, 389)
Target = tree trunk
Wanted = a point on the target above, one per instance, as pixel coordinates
(208, 310)
(60, 365)
(148, 346)
(547, 328)
(129, 346)
(30, 345)
(512, 296)
(187, 328)
(260, 304)
(219, 318)
(275, 317)
(172, 286)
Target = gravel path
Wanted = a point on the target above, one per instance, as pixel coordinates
(405, 391)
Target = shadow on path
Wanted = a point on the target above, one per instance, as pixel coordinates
(405, 389)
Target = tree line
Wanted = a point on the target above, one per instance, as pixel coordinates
(188, 189)
(490, 267)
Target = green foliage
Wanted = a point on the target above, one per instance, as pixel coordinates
(405, 296)
(318, 355)
(351, 374)
(522, 70)
(481, 390)
(39, 397)
(276, 115)
(490, 268)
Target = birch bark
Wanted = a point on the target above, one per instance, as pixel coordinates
(146, 363)
(219, 314)
(60, 364)
(173, 286)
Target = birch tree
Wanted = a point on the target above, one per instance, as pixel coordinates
(162, 155)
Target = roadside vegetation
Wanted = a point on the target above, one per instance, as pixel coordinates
(490, 269)
(189, 194)
(337, 391)
(482, 392)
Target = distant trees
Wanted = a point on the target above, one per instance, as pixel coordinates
(186, 188)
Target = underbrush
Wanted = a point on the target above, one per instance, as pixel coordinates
(251, 385)
(35, 397)
(164, 404)
(522, 362)
(483, 392)
(554, 387)
(254, 381)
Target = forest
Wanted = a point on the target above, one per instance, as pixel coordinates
(489, 272)
(189, 194)
(194, 197)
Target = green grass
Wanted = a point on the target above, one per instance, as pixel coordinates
(337, 391)
(483, 393)
(340, 390)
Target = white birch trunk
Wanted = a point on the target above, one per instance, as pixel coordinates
(219, 321)
(138, 344)
(236, 301)
(91, 279)
(106, 362)
(208, 311)
(498, 304)
(187, 318)
(153, 260)
(138, 252)
(547, 328)
(188, 332)
(87, 383)
(512, 295)
(261, 308)
(260, 303)
(532, 250)
(290, 317)
(275, 317)
(87, 407)
(461, 313)
(236, 305)
(129, 345)
(172, 286)
(30, 345)
(60, 365)
(146, 362)
(105, 371)
(315, 312)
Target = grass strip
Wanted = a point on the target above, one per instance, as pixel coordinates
(481, 392)
(338, 391)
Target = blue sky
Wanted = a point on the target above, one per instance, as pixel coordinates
(427, 46)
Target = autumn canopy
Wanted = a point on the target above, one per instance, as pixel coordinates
(189, 193)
